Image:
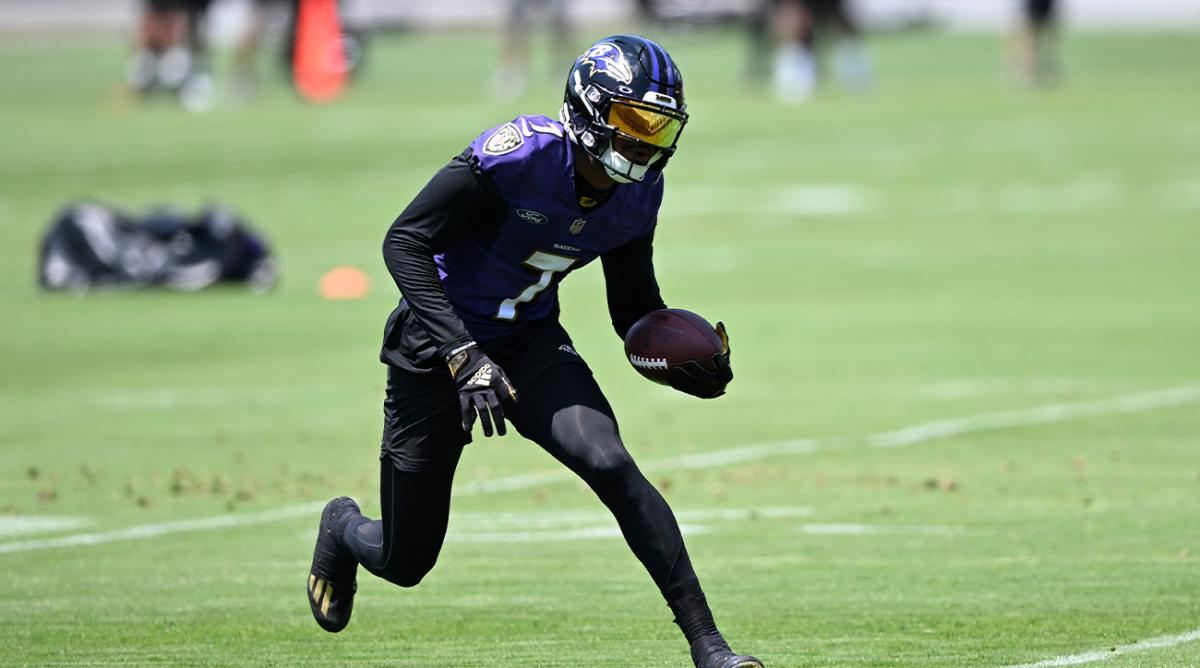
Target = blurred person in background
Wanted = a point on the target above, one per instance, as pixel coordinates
(794, 69)
(171, 54)
(511, 77)
(1031, 47)
(798, 29)
(648, 11)
(278, 24)
(264, 16)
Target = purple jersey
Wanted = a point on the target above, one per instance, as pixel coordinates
(499, 278)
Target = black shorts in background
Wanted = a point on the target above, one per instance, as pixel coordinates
(194, 6)
(422, 421)
(1039, 12)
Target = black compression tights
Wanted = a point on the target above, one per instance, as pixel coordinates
(564, 411)
(404, 546)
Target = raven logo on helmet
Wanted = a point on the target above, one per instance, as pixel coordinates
(608, 59)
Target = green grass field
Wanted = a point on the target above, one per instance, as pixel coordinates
(943, 247)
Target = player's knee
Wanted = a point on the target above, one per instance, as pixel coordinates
(608, 467)
(592, 440)
(407, 578)
(610, 462)
(408, 573)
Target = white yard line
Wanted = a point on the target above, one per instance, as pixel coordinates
(153, 530)
(609, 530)
(877, 529)
(15, 525)
(553, 519)
(548, 526)
(1027, 417)
(746, 453)
(700, 460)
(920, 433)
(511, 483)
(1161, 642)
(981, 387)
(1085, 193)
(173, 398)
(769, 202)
(606, 531)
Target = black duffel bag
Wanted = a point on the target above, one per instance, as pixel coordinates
(93, 246)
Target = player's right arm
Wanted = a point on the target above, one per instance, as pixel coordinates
(454, 201)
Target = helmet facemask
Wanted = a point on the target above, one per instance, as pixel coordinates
(614, 129)
(622, 169)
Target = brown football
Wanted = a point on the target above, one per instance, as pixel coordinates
(668, 337)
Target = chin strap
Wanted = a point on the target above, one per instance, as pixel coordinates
(622, 169)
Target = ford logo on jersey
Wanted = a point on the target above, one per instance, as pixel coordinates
(532, 217)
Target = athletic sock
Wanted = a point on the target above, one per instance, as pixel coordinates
(695, 619)
(363, 538)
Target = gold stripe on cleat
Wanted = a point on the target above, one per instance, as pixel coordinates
(328, 599)
(318, 590)
(311, 581)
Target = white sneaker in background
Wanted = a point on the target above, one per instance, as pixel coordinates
(174, 66)
(795, 73)
(142, 71)
(851, 65)
(198, 92)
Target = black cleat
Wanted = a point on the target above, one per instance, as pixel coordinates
(710, 652)
(739, 661)
(331, 580)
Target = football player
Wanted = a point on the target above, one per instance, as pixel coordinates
(511, 76)
(172, 53)
(1031, 46)
(800, 27)
(478, 256)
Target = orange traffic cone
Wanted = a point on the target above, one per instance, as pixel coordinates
(319, 62)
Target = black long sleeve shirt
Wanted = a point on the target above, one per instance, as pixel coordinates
(424, 327)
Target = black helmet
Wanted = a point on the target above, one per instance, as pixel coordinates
(625, 88)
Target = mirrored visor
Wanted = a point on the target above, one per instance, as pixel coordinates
(644, 122)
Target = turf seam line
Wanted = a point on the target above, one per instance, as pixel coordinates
(912, 435)
(1160, 642)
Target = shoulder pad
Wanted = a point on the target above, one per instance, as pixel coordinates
(524, 149)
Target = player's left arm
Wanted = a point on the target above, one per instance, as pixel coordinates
(633, 292)
(629, 280)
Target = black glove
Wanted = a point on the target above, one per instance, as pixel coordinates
(706, 379)
(482, 385)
